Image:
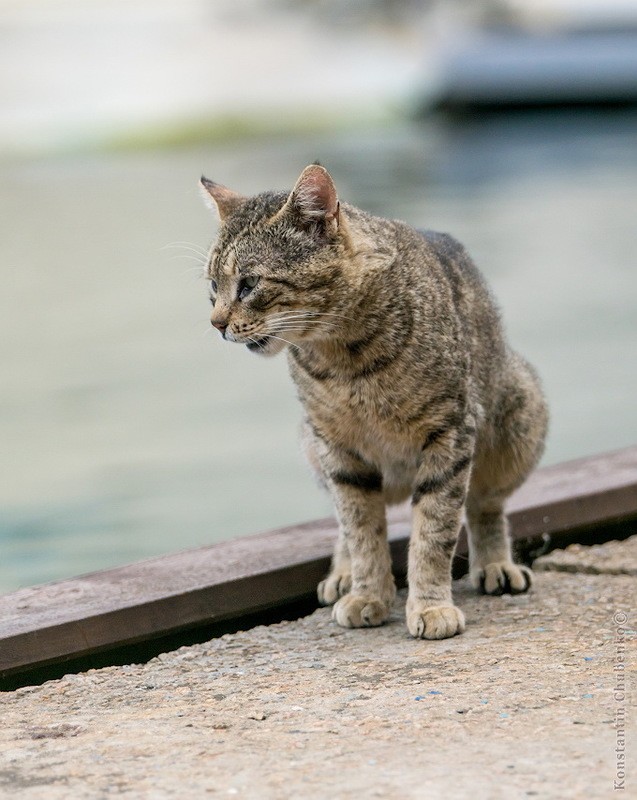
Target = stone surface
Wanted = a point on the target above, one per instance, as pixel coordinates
(523, 704)
(613, 558)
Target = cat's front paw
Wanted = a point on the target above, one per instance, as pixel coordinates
(433, 622)
(502, 577)
(337, 584)
(360, 611)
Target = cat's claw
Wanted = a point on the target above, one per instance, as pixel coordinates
(337, 584)
(360, 611)
(434, 622)
(502, 577)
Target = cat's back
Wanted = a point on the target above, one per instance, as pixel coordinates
(453, 292)
(428, 254)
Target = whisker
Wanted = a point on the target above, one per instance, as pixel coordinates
(273, 336)
(281, 339)
(300, 324)
(298, 311)
(309, 317)
(191, 258)
(315, 313)
(301, 331)
(300, 321)
(187, 246)
(310, 323)
(312, 314)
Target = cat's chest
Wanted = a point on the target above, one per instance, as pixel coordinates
(356, 401)
(359, 414)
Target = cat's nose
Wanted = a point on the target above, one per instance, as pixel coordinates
(220, 325)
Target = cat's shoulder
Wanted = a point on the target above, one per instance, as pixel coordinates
(452, 256)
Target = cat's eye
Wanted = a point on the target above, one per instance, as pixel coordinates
(246, 285)
(213, 287)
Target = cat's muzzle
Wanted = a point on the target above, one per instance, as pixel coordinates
(258, 345)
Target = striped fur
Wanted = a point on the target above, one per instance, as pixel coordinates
(409, 388)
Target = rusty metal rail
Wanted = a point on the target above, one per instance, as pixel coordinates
(59, 623)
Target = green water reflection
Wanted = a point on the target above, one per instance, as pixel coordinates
(129, 430)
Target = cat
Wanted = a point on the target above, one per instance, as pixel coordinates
(408, 386)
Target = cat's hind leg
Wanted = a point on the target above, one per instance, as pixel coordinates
(492, 568)
(514, 447)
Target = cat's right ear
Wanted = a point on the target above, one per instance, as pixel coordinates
(219, 197)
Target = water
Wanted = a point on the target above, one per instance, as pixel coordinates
(128, 430)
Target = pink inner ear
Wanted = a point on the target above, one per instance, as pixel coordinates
(315, 193)
(327, 198)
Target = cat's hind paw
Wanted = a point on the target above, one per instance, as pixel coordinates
(360, 611)
(337, 584)
(502, 577)
(434, 622)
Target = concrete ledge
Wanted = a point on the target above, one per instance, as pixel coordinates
(528, 702)
(60, 621)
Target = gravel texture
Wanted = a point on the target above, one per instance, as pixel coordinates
(523, 704)
(614, 558)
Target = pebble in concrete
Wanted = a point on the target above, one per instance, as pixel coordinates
(613, 558)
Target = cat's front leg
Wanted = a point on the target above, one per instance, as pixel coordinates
(437, 501)
(360, 508)
(339, 580)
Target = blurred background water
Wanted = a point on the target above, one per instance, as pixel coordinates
(126, 428)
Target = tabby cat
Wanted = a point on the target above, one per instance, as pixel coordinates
(408, 386)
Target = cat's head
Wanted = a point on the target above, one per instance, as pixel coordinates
(274, 269)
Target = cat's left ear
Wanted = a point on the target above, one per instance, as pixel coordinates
(219, 197)
(314, 197)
